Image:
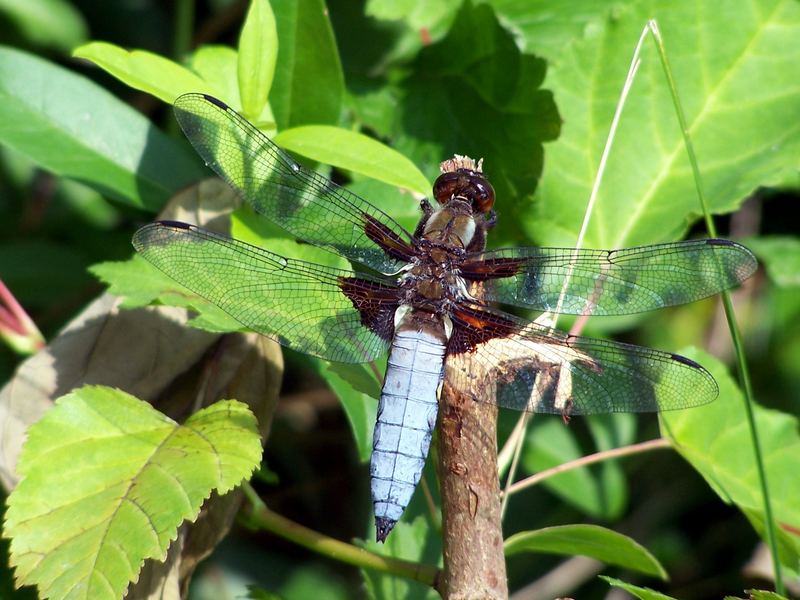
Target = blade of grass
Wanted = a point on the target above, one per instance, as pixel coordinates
(741, 364)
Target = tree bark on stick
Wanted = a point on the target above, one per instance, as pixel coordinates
(474, 564)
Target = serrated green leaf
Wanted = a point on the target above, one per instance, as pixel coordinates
(642, 593)
(781, 257)
(145, 71)
(107, 481)
(593, 541)
(258, 52)
(52, 23)
(355, 152)
(737, 69)
(309, 84)
(715, 439)
(475, 93)
(72, 127)
(217, 66)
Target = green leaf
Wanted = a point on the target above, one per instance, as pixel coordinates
(145, 71)
(642, 593)
(715, 439)
(217, 66)
(549, 443)
(410, 541)
(737, 69)
(107, 481)
(475, 93)
(358, 391)
(593, 541)
(355, 152)
(309, 84)
(140, 284)
(258, 51)
(73, 128)
(547, 29)
(250, 227)
(781, 257)
(764, 595)
(51, 23)
(612, 431)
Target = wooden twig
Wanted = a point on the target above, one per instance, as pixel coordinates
(474, 564)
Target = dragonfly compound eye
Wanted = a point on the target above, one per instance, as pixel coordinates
(467, 184)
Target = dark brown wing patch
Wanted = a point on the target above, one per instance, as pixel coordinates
(391, 243)
(375, 302)
(472, 327)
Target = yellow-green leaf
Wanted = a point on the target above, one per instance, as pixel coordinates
(258, 52)
(355, 152)
(107, 480)
(144, 70)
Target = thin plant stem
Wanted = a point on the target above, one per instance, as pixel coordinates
(590, 459)
(519, 430)
(741, 364)
(261, 517)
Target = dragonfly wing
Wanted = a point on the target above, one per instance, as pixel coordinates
(326, 312)
(306, 204)
(610, 282)
(519, 364)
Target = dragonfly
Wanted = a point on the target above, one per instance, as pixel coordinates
(429, 297)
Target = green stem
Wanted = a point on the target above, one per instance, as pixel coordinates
(261, 517)
(741, 364)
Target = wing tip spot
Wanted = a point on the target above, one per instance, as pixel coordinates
(175, 224)
(215, 101)
(686, 361)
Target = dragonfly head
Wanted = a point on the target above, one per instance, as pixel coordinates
(463, 178)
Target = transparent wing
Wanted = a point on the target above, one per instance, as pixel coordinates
(610, 282)
(495, 357)
(319, 310)
(301, 201)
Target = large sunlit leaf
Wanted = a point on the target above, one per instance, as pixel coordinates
(309, 83)
(715, 439)
(107, 480)
(593, 541)
(258, 51)
(146, 71)
(355, 152)
(74, 128)
(737, 68)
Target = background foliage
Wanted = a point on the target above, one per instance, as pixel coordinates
(90, 153)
